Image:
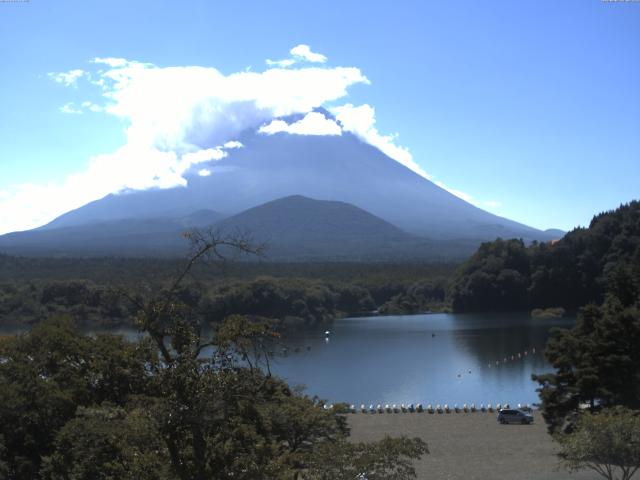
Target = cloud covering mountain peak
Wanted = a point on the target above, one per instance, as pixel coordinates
(176, 117)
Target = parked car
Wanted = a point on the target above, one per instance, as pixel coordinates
(509, 415)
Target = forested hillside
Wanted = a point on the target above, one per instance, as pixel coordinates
(101, 293)
(569, 273)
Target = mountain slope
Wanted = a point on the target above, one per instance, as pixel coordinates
(294, 228)
(124, 236)
(340, 168)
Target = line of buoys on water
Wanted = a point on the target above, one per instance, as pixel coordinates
(511, 358)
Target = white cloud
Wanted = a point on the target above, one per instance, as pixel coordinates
(313, 123)
(287, 62)
(299, 53)
(458, 193)
(304, 52)
(361, 122)
(233, 144)
(178, 117)
(492, 204)
(70, 108)
(205, 155)
(69, 78)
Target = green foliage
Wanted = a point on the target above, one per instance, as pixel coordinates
(108, 443)
(47, 374)
(389, 459)
(596, 363)
(607, 443)
(578, 269)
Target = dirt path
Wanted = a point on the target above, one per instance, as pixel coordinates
(471, 446)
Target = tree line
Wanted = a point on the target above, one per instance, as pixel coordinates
(570, 273)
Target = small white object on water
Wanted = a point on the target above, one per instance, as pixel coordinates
(327, 333)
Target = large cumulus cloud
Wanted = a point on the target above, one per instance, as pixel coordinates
(179, 116)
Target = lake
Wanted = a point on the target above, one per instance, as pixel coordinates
(434, 358)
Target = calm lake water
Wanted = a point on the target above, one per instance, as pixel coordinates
(435, 358)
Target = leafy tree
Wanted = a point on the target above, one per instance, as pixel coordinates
(46, 374)
(389, 459)
(596, 363)
(607, 443)
(107, 443)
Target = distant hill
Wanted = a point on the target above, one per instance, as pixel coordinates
(294, 228)
(146, 236)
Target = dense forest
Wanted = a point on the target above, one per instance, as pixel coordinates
(103, 292)
(569, 273)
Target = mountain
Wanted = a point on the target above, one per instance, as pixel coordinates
(340, 168)
(123, 236)
(294, 228)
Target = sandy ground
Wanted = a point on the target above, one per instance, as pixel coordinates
(471, 446)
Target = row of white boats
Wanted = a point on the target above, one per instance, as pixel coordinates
(419, 408)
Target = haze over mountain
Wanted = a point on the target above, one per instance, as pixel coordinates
(294, 228)
(325, 167)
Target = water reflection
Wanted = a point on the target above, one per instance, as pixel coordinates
(437, 358)
(440, 358)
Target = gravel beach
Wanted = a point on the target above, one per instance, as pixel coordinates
(470, 446)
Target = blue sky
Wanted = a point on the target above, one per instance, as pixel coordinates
(530, 109)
